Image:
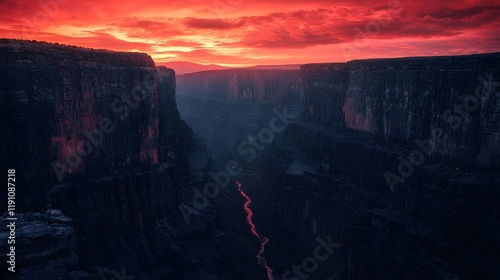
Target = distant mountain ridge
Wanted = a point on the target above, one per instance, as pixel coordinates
(285, 67)
(184, 67)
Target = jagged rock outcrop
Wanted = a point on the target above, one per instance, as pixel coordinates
(46, 245)
(244, 84)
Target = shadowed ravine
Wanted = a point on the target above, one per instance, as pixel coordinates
(369, 169)
(264, 240)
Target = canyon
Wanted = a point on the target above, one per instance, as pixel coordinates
(394, 160)
(370, 169)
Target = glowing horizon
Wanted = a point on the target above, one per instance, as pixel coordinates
(247, 33)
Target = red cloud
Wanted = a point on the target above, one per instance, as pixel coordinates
(199, 23)
(258, 31)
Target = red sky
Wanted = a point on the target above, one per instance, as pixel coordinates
(253, 32)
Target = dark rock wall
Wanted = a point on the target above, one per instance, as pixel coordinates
(439, 226)
(407, 99)
(95, 134)
(69, 111)
(126, 201)
(440, 221)
(55, 97)
(244, 84)
(176, 137)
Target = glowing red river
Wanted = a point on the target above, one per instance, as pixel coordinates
(263, 240)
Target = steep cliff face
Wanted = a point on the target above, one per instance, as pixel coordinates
(78, 110)
(412, 99)
(436, 215)
(176, 137)
(72, 111)
(244, 84)
(454, 208)
(96, 135)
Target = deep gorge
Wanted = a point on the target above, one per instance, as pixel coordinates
(370, 169)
